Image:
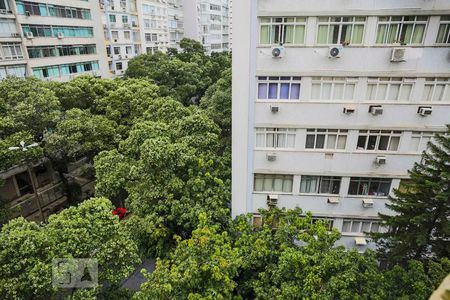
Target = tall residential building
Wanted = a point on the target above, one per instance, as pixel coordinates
(121, 31)
(208, 23)
(333, 101)
(161, 24)
(52, 40)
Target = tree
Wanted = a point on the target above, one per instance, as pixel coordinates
(86, 231)
(201, 267)
(420, 227)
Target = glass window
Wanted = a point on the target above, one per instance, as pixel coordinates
(367, 186)
(419, 141)
(340, 30)
(436, 89)
(389, 88)
(333, 88)
(443, 36)
(275, 138)
(326, 139)
(360, 226)
(320, 184)
(276, 30)
(406, 30)
(273, 183)
(285, 88)
(380, 140)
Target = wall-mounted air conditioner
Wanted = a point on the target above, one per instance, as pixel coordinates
(380, 160)
(398, 54)
(360, 241)
(60, 35)
(274, 108)
(425, 110)
(27, 13)
(272, 200)
(349, 109)
(367, 203)
(335, 51)
(29, 35)
(376, 110)
(271, 157)
(278, 52)
(333, 200)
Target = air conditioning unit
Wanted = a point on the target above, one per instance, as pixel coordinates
(175, 17)
(274, 108)
(335, 51)
(333, 200)
(29, 35)
(271, 157)
(27, 13)
(367, 203)
(60, 35)
(349, 109)
(376, 110)
(278, 52)
(15, 35)
(360, 241)
(272, 200)
(425, 110)
(398, 54)
(380, 160)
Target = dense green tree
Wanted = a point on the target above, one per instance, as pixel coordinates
(201, 267)
(420, 228)
(86, 231)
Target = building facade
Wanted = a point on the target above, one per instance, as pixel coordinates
(208, 23)
(333, 101)
(52, 40)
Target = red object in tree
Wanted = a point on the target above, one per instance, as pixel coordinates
(120, 211)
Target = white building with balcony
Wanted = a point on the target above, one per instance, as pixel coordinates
(52, 40)
(208, 23)
(333, 102)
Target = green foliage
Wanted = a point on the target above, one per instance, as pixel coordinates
(81, 133)
(421, 227)
(201, 267)
(86, 231)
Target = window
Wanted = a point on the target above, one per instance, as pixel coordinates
(443, 36)
(289, 31)
(116, 50)
(279, 87)
(436, 89)
(112, 18)
(214, 7)
(405, 30)
(275, 137)
(12, 51)
(66, 50)
(419, 140)
(380, 140)
(124, 19)
(151, 37)
(7, 28)
(340, 30)
(333, 88)
(64, 70)
(152, 50)
(273, 183)
(389, 88)
(16, 70)
(367, 186)
(52, 31)
(320, 184)
(360, 226)
(42, 9)
(24, 183)
(119, 66)
(326, 138)
(115, 35)
(129, 50)
(127, 35)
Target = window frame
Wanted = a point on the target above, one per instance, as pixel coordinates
(445, 96)
(275, 132)
(273, 177)
(369, 181)
(318, 185)
(279, 81)
(298, 21)
(326, 132)
(379, 133)
(333, 81)
(400, 24)
(376, 82)
(330, 23)
(360, 226)
(446, 25)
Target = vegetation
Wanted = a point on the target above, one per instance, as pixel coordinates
(160, 142)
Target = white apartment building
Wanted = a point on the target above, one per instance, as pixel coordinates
(52, 40)
(208, 23)
(121, 32)
(162, 24)
(334, 131)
